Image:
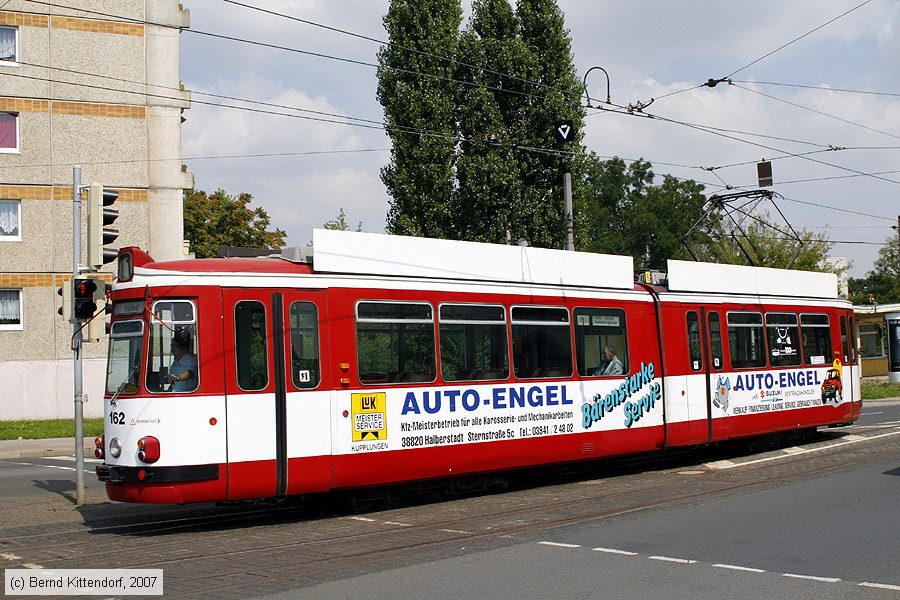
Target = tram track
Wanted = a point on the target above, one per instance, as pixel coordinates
(621, 476)
(318, 567)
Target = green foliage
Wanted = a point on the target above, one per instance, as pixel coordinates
(217, 220)
(770, 248)
(881, 285)
(871, 390)
(621, 211)
(419, 178)
(340, 223)
(41, 430)
(477, 177)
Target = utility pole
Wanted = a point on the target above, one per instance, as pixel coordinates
(570, 222)
(77, 337)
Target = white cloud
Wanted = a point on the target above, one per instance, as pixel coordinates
(650, 49)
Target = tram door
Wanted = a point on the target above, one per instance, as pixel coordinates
(262, 381)
(698, 380)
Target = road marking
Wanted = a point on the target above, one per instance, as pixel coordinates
(882, 586)
(727, 464)
(397, 524)
(72, 459)
(31, 566)
(691, 472)
(890, 423)
(684, 561)
(721, 464)
(793, 450)
(813, 578)
(853, 437)
(560, 545)
(10, 556)
(456, 531)
(363, 519)
(615, 551)
(9, 462)
(739, 568)
(871, 413)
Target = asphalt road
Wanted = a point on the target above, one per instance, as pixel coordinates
(817, 518)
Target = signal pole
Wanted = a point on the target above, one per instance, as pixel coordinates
(76, 340)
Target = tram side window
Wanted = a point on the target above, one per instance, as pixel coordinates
(305, 373)
(715, 340)
(816, 335)
(854, 336)
(395, 342)
(474, 345)
(784, 337)
(746, 340)
(845, 340)
(694, 348)
(172, 364)
(596, 330)
(541, 341)
(250, 351)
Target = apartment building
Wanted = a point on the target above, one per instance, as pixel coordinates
(91, 83)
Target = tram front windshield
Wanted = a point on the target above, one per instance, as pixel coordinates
(123, 368)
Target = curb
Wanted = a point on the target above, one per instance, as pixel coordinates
(47, 447)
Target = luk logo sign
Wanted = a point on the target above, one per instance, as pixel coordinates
(369, 418)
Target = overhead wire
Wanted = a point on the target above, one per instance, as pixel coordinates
(818, 112)
(823, 88)
(797, 39)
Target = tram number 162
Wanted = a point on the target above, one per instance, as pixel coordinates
(117, 418)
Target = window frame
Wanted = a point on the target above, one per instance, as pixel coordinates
(761, 326)
(827, 359)
(798, 343)
(497, 323)
(237, 364)
(18, 236)
(528, 323)
(716, 347)
(17, 148)
(15, 61)
(155, 320)
(623, 357)
(20, 326)
(416, 321)
(318, 346)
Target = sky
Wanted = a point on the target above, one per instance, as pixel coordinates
(651, 49)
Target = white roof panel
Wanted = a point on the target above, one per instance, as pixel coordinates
(686, 276)
(379, 254)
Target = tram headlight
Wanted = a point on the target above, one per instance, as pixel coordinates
(115, 448)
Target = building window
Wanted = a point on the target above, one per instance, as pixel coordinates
(11, 310)
(10, 221)
(9, 132)
(871, 340)
(9, 45)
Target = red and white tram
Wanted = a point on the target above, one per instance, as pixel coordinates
(382, 359)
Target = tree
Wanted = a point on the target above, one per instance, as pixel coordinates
(340, 223)
(217, 220)
(621, 211)
(881, 285)
(490, 161)
(415, 88)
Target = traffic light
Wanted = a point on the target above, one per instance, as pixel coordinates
(65, 311)
(98, 234)
(83, 298)
(96, 328)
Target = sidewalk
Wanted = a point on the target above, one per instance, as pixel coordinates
(49, 447)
